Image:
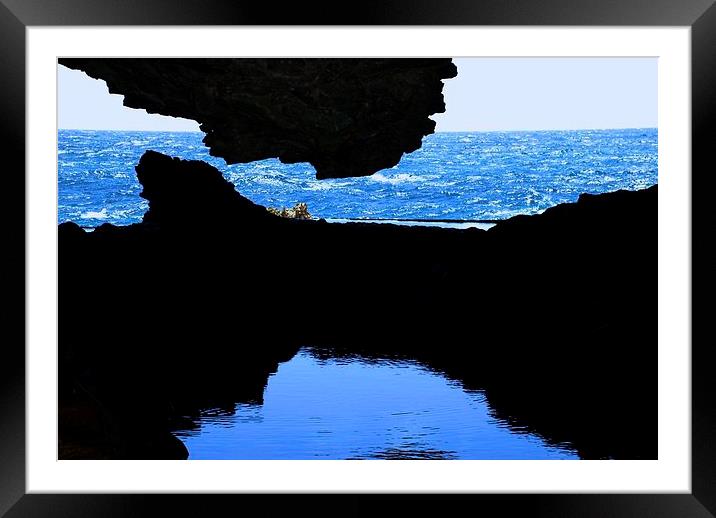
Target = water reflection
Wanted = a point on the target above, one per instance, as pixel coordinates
(318, 406)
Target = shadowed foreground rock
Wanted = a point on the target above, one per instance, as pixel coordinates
(347, 117)
(554, 315)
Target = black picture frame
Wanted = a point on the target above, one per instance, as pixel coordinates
(17, 15)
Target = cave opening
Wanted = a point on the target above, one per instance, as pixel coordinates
(487, 160)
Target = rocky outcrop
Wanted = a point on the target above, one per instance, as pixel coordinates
(191, 193)
(554, 316)
(347, 117)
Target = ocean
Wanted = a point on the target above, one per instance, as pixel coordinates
(453, 176)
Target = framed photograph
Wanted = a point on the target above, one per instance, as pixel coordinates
(418, 249)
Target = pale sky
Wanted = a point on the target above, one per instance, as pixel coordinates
(85, 103)
(488, 94)
(550, 93)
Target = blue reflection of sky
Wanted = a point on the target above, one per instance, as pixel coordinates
(355, 409)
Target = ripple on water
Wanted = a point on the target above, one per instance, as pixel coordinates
(352, 407)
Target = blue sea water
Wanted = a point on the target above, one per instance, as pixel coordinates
(461, 176)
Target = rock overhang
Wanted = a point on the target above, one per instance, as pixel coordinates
(345, 116)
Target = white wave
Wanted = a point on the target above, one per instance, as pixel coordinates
(398, 178)
(268, 180)
(95, 215)
(325, 185)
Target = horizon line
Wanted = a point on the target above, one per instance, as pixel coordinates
(441, 131)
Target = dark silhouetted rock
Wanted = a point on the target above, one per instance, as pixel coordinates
(184, 193)
(347, 117)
